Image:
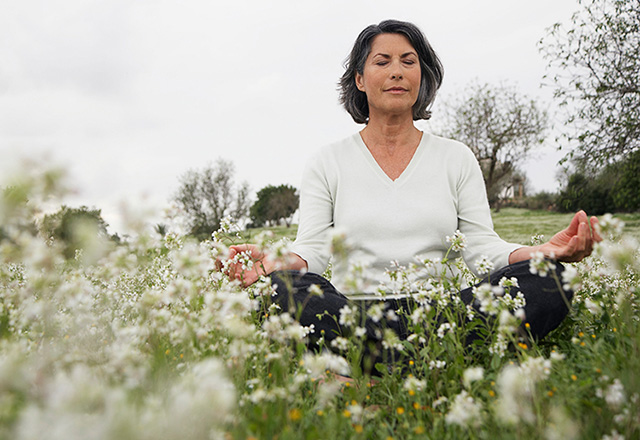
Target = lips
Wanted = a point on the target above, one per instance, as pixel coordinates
(396, 90)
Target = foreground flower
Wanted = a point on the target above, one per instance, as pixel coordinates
(464, 411)
(540, 266)
(471, 375)
(458, 241)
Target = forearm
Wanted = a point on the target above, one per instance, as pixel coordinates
(524, 253)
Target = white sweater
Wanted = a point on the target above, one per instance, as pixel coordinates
(344, 190)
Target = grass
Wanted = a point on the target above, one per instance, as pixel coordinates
(512, 224)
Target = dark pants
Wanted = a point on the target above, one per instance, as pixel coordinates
(546, 304)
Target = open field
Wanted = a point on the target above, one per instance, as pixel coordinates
(148, 339)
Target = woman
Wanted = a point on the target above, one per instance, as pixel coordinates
(395, 192)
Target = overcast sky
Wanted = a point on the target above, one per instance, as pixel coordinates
(128, 95)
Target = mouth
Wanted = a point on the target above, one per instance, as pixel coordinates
(396, 90)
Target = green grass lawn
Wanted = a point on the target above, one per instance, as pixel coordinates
(512, 224)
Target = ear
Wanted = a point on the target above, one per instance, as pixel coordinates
(359, 82)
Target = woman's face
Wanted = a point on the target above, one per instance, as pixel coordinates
(391, 75)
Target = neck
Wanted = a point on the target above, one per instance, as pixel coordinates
(390, 132)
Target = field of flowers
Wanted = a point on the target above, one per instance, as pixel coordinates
(148, 339)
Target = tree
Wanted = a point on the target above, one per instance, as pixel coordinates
(500, 126)
(75, 228)
(597, 61)
(626, 192)
(274, 204)
(207, 196)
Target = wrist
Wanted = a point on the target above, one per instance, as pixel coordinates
(525, 252)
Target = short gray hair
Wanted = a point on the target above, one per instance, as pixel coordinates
(432, 72)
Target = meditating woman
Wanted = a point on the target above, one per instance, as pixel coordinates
(394, 193)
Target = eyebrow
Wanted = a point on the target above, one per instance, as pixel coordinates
(404, 55)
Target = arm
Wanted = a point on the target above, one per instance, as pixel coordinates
(474, 216)
(310, 250)
(569, 245)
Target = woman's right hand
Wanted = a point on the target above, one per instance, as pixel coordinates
(260, 264)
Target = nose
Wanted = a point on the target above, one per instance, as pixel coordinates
(396, 71)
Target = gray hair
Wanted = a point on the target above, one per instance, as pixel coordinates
(355, 101)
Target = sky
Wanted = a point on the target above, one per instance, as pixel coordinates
(128, 95)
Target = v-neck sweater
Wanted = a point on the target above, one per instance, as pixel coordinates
(385, 222)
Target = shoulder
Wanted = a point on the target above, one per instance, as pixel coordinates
(339, 148)
(329, 161)
(334, 154)
(449, 147)
(454, 157)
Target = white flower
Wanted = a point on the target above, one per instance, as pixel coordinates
(340, 343)
(571, 279)
(314, 289)
(445, 327)
(458, 241)
(593, 307)
(614, 396)
(484, 265)
(414, 384)
(376, 311)
(537, 239)
(536, 368)
(318, 364)
(439, 401)
(508, 282)
(538, 265)
(418, 315)
(464, 411)
(610, 225)
(391, 315)
(471, 375)
(348, 316)
(391, 340)
(613, 436)
(356, 413)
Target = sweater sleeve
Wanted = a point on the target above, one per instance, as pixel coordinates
(316, 216)
(474, 218)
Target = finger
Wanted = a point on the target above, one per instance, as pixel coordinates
(584, 234)
(249, 279)
(575, 223)
(238, 248)
(594, 229)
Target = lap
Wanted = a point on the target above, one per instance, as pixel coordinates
(546, 302)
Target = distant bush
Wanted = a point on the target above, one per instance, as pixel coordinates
(615, 188)
(542, 201)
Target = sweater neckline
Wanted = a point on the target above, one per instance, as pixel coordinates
(406, 173)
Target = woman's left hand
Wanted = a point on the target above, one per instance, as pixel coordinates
(569, 245)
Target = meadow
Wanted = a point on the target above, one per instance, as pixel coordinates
(148, 339)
